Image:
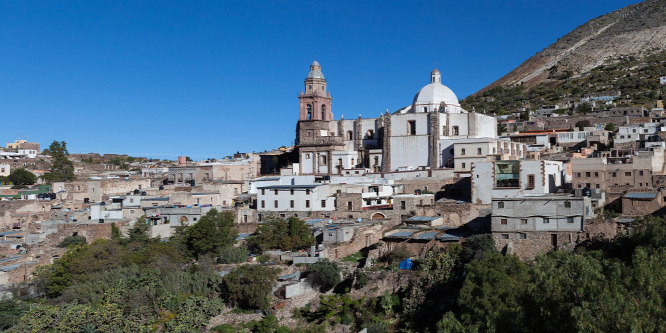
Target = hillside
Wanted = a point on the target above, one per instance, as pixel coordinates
(637, 30)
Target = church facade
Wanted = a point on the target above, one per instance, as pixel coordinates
(420, 136)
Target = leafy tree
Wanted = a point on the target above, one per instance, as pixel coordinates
(22, 177)
(398, 254)
(492, 293)
(248, 286)
(139, 232)
(212, 233)
(73, 241)
(501, 128)
(610, 127)
(62, 169)
(283, 234)
(324, 274)
(582, 124)
(477, 247)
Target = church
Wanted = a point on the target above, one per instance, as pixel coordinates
(421, 136)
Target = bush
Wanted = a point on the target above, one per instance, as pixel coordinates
(10, 312)
(283, 234)
(396, 255)
(361, 279)
(232, 255)
(324, 274)
(248, 286)
(73, 240)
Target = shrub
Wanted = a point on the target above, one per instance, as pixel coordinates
(396, 255)
(72, 240)
(232, 255)
(324, 274)
(248, 286)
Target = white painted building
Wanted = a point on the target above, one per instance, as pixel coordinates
(469, 151)
(506, 179)
(636, 132)
(5, 170)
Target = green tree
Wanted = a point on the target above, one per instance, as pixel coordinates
(492, 293)
(212, 233)
(62, 169)
(22, 177)
(248, 286)
(324, 274)
(610, 127)
(278, 233)
(582, 124)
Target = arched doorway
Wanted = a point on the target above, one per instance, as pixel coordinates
(378, 216)
(183, 219)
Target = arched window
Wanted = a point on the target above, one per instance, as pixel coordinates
(349, 135)
(455, 130)
(309, 111)
(323, 112)
(371, 134)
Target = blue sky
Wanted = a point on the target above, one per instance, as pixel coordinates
(209, 78)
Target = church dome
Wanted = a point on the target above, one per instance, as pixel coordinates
(315, 71)
(430, 97)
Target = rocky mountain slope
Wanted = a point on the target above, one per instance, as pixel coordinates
(637, 30)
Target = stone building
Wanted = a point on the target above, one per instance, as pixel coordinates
(421, 135)
(532, 224)
(633, 168)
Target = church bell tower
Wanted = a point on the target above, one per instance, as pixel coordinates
(315, 100)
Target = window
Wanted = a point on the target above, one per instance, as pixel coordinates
(500, 204)
(507, 174)
(291, 191)
(570, 220)
(307, 192)
(455, 130)
(411, 127)
(323, 112)
(503, 221)
(291, 203)
(307, 203)
(275, 203)
(628, 173)
(614, 174)
(505, 236)
(567, 204)
(462, 151)
(349, 135)
(323, 204)
(546, 220)
(522, 236)
(640, 173)
(307, 156)
(402, 205)
(275, 192)
(596, 174)
(323, 159)
(578, 174)
(596, 186)
(309, 110)
(371, 134)
(587, 174)
(530, 181)
(523, 221)
(478, 151)
(464, 165)
(376, 160)
(263, 204)
(263, 191)
(349, 205)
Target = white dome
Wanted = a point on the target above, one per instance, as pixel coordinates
(436, 93)
(430, 97)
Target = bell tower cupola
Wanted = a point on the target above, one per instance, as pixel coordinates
(315, 99)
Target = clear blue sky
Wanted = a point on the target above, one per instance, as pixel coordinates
(207, 79)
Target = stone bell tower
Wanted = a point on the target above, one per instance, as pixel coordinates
(315, 101)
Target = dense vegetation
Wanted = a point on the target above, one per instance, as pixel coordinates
(636, 78)
(140, 284)
(19, 176)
